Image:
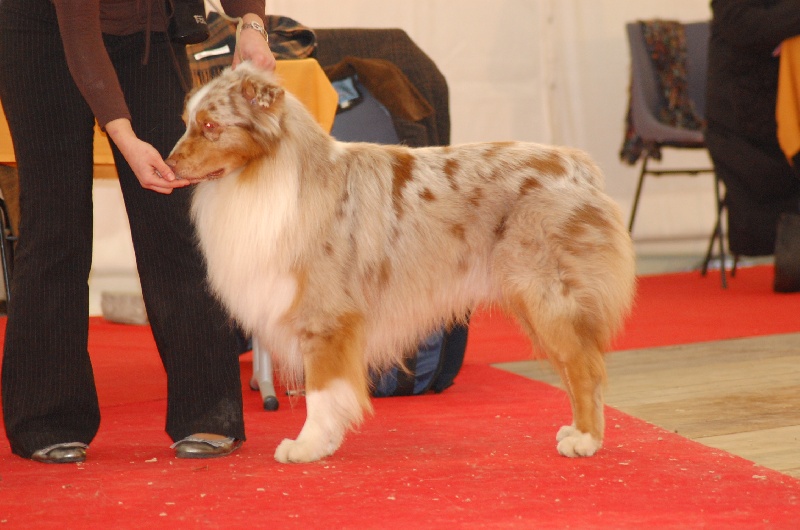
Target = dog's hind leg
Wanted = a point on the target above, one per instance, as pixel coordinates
(572, 347)
(584, 377)
(336, 390)
(566, 268)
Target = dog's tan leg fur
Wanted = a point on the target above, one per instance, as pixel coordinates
(337, 393)
(578, 360)
(570, 302)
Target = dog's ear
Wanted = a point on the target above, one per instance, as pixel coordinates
(185, 115)
(261, 93)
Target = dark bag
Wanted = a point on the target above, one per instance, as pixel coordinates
(188, 24)
(433, 367)
(787, 254)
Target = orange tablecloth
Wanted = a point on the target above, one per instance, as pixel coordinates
(303, 77)
(787, 111)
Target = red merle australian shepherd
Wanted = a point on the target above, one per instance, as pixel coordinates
(340, 257)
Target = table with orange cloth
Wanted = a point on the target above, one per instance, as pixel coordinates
(302, 77)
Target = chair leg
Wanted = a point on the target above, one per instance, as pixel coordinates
(710, 250)
(722, 257)
(718, 235)
(638, 193)
(6, 249)
(263, 376)
(720, 230)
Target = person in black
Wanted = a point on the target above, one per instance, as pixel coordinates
(740, 109)
(63, 64)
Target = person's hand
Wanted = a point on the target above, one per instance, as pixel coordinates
(252, 46)
(145, 161)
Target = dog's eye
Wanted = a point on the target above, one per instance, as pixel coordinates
(209, 126)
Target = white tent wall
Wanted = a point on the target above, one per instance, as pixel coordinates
(551, 71)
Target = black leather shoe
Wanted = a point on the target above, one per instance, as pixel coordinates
(196, 446)
(66, 453)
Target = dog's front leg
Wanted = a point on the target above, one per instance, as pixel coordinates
(336, 391)
(331, 411)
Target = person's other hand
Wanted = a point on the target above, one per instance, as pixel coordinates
(252, 46)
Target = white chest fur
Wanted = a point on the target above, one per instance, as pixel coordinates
(241, 228)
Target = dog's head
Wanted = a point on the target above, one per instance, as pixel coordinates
(231, 121)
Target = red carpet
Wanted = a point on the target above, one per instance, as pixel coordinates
(481, 455)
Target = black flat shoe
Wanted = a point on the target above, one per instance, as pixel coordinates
(196, 446)
(66, 453)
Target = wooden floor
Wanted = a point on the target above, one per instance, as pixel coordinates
(742, 395)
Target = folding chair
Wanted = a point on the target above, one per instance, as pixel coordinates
(646, 102)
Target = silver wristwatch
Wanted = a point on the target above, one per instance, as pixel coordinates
(258, 27)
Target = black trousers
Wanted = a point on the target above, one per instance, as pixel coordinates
(759, 185)
(48, 389)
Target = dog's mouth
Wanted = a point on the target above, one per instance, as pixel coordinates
(213, 175)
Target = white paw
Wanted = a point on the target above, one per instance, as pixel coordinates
(299, 452)
(565, 431)
(330, 413)
(572, 442)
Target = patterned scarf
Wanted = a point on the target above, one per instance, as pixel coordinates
(666, 44)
